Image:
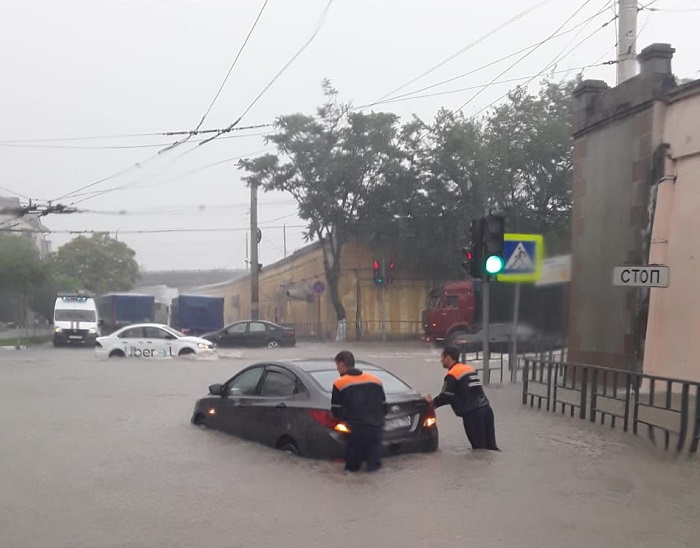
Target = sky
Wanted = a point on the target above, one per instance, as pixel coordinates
(81, 81)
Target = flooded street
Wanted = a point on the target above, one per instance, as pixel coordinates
(102, 454)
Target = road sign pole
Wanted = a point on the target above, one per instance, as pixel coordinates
(485, 305)
(513, 361)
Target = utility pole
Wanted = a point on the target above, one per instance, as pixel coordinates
(384, 280)
(627, 40)
(254, 264)
(485, 305)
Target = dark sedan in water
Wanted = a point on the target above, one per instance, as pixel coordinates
(286, 405)
(253, 333)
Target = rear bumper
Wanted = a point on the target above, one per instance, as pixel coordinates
(333, 447)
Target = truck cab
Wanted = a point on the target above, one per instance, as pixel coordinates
(451, 311)
(75, 319)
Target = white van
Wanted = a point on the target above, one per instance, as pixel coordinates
(75, 319)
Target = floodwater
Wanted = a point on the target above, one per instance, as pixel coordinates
(102, 454)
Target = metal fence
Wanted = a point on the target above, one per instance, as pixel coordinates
(662, 405)
(499, 363)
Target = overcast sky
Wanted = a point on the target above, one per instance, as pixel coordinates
(97, 68)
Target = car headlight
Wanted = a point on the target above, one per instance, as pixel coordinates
(58, 330)
(92, 330)
(204, 346)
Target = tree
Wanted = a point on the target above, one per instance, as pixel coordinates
(333, 161)
(530, 150)
(21, 270)
(100, 263)
(43, 297)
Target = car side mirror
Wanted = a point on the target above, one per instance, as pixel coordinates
(170, 337)
(100, 323)
(216, 390)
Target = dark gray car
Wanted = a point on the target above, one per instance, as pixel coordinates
(286, 405)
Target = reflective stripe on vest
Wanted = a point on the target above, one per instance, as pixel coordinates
(352, 380)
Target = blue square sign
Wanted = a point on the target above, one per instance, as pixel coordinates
(522, 254)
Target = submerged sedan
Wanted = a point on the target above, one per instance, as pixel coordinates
(286, 405)
(150, 340)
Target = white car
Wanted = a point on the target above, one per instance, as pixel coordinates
(150, 340)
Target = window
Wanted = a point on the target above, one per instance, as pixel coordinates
(245, 383)
(278, 385)
(257, 327)
(74, 315)
(156, 333)
(133, 333)
(391, 384)
(452, 301)
(237, 329)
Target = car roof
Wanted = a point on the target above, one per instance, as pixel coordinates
(322, 364)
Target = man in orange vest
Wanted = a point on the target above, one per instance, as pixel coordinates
(462, 389)
(358, 400)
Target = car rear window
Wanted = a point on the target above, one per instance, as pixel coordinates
(392, 385)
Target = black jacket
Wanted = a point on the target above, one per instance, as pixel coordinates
(358, 398)
(462, 389)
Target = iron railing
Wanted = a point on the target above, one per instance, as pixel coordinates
(600, 394)
(500, 362)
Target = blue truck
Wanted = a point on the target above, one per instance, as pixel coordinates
(119, 309)
(197, 314)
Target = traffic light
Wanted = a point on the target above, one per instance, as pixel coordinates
(390, 274)
(474, 253)
(494, 228)
(378, 276)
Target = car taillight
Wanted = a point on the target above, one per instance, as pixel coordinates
(430, 419)
(326, 418)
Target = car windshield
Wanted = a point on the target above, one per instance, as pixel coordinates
(392, 385)
(74, 315)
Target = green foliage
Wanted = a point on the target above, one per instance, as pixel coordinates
(100, 264)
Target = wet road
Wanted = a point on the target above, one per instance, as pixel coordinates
(101, 454)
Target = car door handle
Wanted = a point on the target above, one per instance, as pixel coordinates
(281, 406)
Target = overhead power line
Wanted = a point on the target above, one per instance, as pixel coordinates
(527, 54)
(487, 65)
(461, 51)
(228, 74)
(294, 57)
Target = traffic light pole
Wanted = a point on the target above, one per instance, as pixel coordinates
(485, 305)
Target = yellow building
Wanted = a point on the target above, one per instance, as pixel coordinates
(294, 291)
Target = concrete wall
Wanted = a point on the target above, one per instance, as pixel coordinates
(615, 136)
(405, 298)
(673, 333)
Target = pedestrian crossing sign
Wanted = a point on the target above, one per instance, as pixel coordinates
(522, 254)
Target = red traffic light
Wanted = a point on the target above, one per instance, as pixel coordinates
(375, 264)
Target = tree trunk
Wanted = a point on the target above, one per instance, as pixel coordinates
(332, 248)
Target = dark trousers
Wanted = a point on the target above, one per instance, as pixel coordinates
(364, 444)
(480, 428)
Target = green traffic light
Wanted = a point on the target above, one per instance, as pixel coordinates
(494, 264)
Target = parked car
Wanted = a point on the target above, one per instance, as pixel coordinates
(253, 333)
(286, 405)
(500, 337)
(150, 340)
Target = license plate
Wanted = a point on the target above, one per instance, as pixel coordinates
(74, 337)
(394, 424)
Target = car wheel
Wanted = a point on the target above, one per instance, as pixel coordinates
(117, 354)
(455, 336)
(288, 446)
(273, 343)
(186, 352)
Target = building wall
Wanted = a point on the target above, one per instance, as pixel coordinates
(286, 296)
(616, 132)
(673, 345)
